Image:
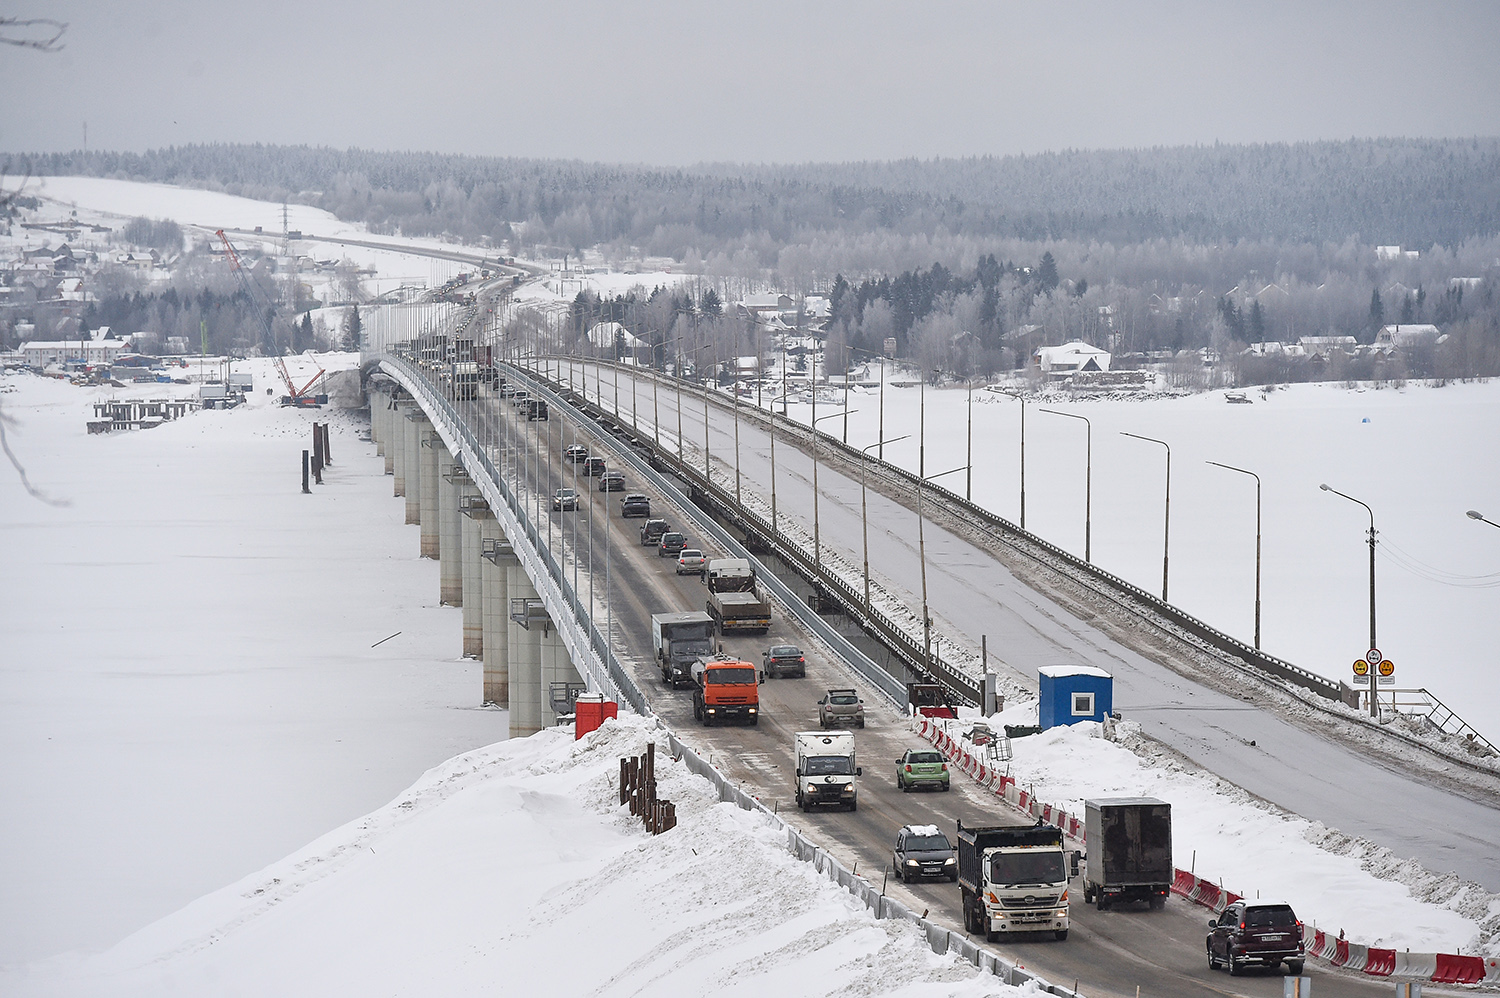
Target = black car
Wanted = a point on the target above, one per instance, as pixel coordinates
(636, 504)
(593, 466)
(536, 411)
(783, 660)
(923, 851)
(577, 454)
(652, 530)
(1256, 932)
(671, 544)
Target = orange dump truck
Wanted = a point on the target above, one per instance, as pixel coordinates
(726, 689)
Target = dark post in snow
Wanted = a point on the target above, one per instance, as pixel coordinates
(327, 451)
(317, 448)
(305, 488)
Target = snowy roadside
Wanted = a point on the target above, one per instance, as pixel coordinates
(498, 869)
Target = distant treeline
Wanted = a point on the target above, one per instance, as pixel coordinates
(1416, 193)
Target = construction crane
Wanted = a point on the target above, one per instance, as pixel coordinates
(262, 307)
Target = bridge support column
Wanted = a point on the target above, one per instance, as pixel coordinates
(450, 548)
(395, 451)
(475, 513)
(417, 428)
(494, 576)
(378, 400)
(557, 669)
(431, 448)
(389, 414)
(524, 653)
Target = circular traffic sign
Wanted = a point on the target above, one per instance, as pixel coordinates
(1387, 667)
(1373, 655)
(1361, 667)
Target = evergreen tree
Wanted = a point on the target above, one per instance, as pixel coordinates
(353, 330)
(1257, 323)
(1377, 311)
(712, 306)
(1408, 310)
(303, 333)
(1046, 272)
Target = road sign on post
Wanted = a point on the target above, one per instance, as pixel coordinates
(1387, 667)
(1361, 667)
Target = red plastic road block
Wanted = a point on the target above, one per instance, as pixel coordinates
(590, 710)
(1452, 969)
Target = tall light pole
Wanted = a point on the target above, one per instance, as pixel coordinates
(1088, 483)
(864, 515)
(1373, 644)
(1021, 399)
(922, 556)
(1253, 475)
(1166, 530)
(817, 546)
(1474, 514)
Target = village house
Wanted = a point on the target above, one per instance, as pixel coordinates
(100, 349)
(1060, 362)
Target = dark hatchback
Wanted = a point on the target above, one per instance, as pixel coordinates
(923, 851)
(1263, 933)
(635, 504)
(783, 660)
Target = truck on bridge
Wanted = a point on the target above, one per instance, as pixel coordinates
(679, 640)
(740, 611)
(1129, 850)
(1013, 879)
(729, 575)
(726, 689)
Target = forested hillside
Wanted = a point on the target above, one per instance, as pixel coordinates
(1414, 192)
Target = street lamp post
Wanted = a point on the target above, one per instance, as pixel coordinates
(1373, 644)
(864, 516)
(922, 557)
(1021, 399)
(1474, 514)
(1088, 482)
(1253, 475)
(1166, 530)
(817, 546)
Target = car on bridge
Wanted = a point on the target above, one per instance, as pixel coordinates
(635, 504)
(690, 561)
(1256, 932)
(564, 500)
(839, 707)
(923, 851)
(921, 768)
(612, 481)
(536, 411)
(593, 466)
(671, 544)
(652, 530)
(783, 660)
(576, 454)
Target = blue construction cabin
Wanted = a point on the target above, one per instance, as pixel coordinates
(1073, 693)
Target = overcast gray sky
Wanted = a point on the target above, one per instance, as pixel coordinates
(684, 81)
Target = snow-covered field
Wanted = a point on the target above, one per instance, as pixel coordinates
(189, 690)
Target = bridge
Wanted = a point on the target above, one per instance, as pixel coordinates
(558, 600)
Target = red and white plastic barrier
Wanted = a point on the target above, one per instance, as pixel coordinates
(1439, 968)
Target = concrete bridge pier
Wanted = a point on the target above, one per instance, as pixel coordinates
(432, 446)
(395, 451)
(497, 559)
(389, 417)
(379, 399)
(416, 430)
(528, 621)
(473, 513)
(450, 549)
(557, 671)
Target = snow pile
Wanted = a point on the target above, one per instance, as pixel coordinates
(501, 869)
(1224, 834)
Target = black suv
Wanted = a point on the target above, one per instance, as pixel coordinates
(635, 504)
(652, 530)
(1256, 932)
(671, 544)
(923, 851)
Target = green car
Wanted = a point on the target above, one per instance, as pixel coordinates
(921, 768)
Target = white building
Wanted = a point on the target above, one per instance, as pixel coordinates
(1070, 358)
(101, 349)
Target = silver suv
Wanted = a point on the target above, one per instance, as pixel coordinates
(840, 708)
